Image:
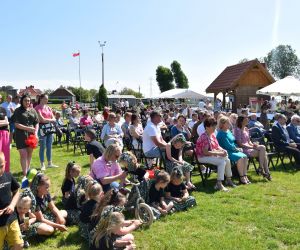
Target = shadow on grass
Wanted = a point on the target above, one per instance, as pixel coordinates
(73, 238)
(288, 168)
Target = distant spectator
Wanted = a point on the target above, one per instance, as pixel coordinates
(201, 104)
(273, 104)
(292, 128)
(85, 120)
(74, 120)
(4, 138)
(112, 132)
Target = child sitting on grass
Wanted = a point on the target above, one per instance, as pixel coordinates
(26, 218)
(156, 193)
(68, 192)
(94, 194)
(114, 233)
(9, 196)
(68, 187)
(46, 212)
(177, 192)
(113, 201)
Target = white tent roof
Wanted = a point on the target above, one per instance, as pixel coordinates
(121, 96)
(285, 87)
(181, 93)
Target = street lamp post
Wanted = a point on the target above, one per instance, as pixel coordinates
(102, 57)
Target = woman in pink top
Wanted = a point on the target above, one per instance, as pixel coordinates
(242, 137)
(106, 170)
(209, 151)
(85, 120)
(46, 119)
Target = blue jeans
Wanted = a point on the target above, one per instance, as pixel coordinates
(46, 142)
(153, 153)
(113, 185)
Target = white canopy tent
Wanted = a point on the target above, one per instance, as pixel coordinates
(181, 94)
(288, 86)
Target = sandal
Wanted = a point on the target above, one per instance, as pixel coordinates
(243, 181)
(229, 183)
(220, 187)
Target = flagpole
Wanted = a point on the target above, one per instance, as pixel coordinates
(79, 77)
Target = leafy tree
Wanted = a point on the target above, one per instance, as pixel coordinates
(243, 60)
(4, 95)
(128, 91)
(48, 91)
(102, 97)
(164, 78)
(85, 94)
(180, 78)
(283, 61)
(93, 93)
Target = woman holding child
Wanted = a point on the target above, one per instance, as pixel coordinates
(106, 170)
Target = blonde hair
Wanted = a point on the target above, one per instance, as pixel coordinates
(111, 115)
(107, 225)
(110, 150)
(23, 201)
(93, 189)
(222, 120)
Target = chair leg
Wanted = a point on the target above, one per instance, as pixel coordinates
(201, 174)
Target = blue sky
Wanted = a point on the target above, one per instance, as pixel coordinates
(39, 37)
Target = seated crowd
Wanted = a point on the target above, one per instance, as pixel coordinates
(116, 146)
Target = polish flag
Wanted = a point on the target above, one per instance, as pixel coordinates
(76, 54)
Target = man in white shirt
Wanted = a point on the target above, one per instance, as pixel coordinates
(201, 104)
(273, 104)
(193, 121)
(126, 104)
(152, 139)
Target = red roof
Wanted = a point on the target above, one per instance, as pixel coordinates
(31, 91)
(231, 74)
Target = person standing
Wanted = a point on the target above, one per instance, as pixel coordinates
(46, 119)
(4, 138)
(9, 108)
(27, 122)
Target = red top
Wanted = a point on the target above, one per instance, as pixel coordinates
(210, 143)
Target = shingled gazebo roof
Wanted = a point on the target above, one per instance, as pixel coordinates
(228, 78)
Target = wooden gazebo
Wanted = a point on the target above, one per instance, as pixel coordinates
(241, 81)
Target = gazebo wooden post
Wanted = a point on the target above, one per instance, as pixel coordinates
(215, 100)
(224, 101)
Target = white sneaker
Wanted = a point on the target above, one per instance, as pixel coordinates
(52, 166)
(43, 167)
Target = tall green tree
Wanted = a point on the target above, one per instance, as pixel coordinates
(180, 78)
(128, 91)
(102, 97)
(164, 78)
(283, 61)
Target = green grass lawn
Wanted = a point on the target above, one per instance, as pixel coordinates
(263, 215)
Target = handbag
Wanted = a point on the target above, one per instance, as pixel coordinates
(47, 129)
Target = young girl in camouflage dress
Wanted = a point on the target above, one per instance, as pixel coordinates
(26, 218)
(177, 192)
(174, 158)
(50, 217)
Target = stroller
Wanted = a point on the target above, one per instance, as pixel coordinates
(137, 199)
